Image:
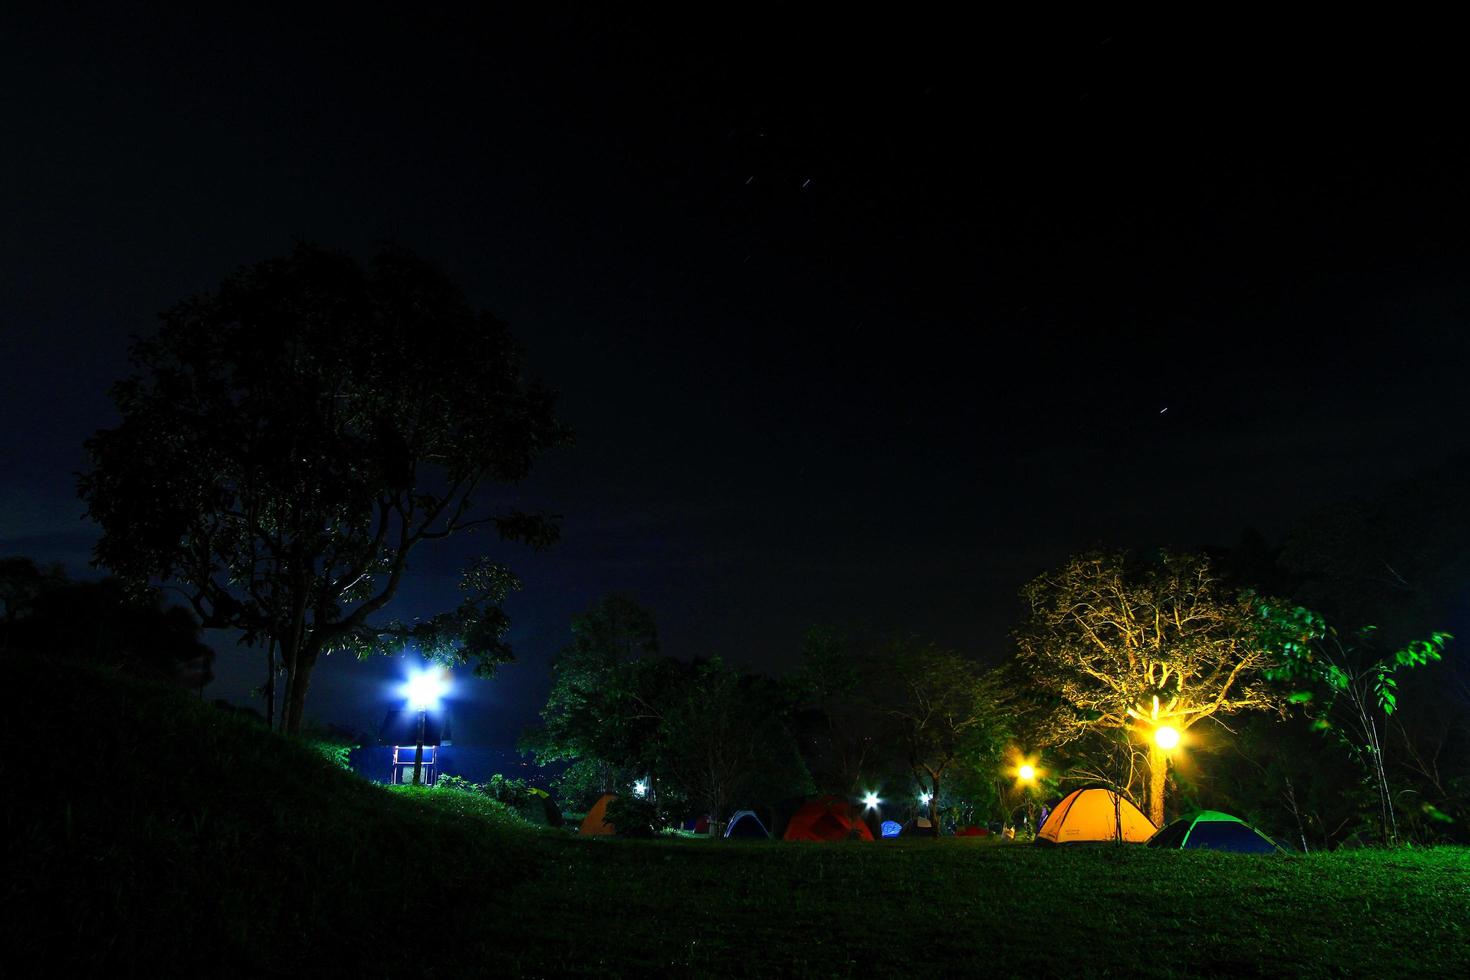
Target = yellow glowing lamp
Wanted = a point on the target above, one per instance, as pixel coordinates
(1166, 738)
(1027, 773)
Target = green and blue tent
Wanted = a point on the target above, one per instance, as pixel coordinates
(1216, 831)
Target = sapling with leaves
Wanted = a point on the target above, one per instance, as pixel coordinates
(1347, 686)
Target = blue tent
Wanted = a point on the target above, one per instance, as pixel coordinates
(891, 828)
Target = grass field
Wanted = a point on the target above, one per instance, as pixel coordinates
(178, 839)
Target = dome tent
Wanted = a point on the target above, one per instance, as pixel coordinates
(892, 828)
(595, 823)
(827, 818)
(745, 825)
(919, 827)
(1095, 813)
(1214, 831)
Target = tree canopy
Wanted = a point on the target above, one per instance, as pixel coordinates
(703, 734)
(287, 440)
(947, 713)
(1116, 642)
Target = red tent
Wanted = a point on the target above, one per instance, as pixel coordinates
(827, 818)
(972, 831)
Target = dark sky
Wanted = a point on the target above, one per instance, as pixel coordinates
(856, 321)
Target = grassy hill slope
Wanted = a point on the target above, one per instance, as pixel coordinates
(178, 838)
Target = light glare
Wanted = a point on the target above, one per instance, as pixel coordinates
(424, 689)
(1166, 737)
(1027, 772)
(870, 799)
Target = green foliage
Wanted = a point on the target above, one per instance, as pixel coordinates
(634, 817)
(709, 736)
(514, 793)
(1310, 650)
(593, 680)
(1353, 688)
(335, 750)
(946, 712)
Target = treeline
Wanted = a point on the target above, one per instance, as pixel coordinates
(1307, 685)
(132, 630)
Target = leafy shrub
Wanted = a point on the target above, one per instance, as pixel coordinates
(633, 817)
(334, 750)
(517, 795)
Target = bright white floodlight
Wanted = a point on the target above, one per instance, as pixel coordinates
(640, 788)
(424, 688)
(870, 799)
(924, 798)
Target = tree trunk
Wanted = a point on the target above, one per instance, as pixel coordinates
(270, 685)
(1158, 774)
(934, 803)
(296, 684)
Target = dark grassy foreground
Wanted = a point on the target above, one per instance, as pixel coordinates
(158, 836)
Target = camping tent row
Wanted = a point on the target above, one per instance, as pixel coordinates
(743, 825)
(828, 818)
(1096, 813)
(1087, 815)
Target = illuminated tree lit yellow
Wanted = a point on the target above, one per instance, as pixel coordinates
(1142, 645)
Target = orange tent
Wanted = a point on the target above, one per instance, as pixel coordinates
(826, 818)
(595, 823)
(1095, 813)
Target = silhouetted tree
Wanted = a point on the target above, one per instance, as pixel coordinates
(22, 581)
(723, 738)
(587, 680)
(835, 722)
(125, 629)
(288, 440)
(945, 711)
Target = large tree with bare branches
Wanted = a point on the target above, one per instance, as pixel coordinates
(1114, 642)
(287, 441)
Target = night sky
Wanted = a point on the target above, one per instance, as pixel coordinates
(855, 322)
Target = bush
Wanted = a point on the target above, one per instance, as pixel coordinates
(334, 749)
(633, 817)
(519, 796)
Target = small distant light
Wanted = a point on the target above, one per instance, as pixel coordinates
(1166, 737)
(870, 799)
(924, 798)
(1027, 773)
(640, 788)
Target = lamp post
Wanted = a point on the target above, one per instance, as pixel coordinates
(418, 750)
(1026, 777)
(424, 689)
